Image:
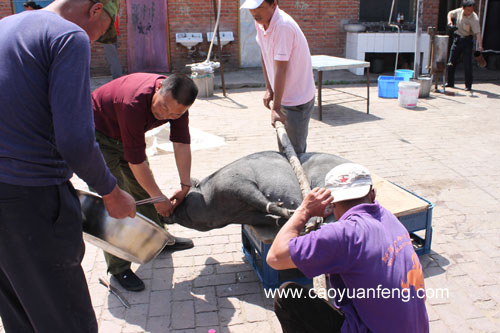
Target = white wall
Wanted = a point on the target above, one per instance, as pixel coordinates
(249, 49)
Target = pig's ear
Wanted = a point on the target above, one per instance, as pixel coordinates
(195, 182)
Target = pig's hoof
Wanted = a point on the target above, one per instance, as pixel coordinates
(165, 220)
(276, 220)
(276, 209)
(313, 223)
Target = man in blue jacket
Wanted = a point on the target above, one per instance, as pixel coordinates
(46, 134)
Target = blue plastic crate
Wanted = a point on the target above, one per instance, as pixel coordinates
(255, 250)
(419, 221)
(407, 74)
(388, 86)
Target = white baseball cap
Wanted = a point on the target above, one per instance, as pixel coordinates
(251, 4)
(348, 181)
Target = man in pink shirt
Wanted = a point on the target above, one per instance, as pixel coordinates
(286, 61)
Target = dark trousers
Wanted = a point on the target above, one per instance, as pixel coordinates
(305, 314)
(297, 125)
(461, 45)
(112, 151)
(42, 284)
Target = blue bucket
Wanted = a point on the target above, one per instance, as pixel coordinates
(388, 86)
(404, 73)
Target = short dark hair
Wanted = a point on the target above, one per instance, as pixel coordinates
(271, 1)
(32, 4)
(182, 87)
(468, 3)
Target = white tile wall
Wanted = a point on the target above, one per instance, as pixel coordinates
(357, 44)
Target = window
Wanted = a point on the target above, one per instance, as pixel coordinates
(379, 10)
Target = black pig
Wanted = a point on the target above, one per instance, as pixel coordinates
(257, 189)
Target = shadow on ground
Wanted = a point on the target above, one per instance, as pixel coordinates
(338, 115)
(433, 264)
(212, 295)
(486, 93)
(217, 100)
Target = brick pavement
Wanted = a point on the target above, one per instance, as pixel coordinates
(444, 151)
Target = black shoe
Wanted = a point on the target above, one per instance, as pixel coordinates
(180, 244)
(468, 89)
(450, 85)
(129, 280)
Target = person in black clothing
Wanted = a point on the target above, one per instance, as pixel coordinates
(466, 27)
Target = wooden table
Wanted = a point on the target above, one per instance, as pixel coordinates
(329, 63)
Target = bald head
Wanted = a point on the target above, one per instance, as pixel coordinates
(87, 14)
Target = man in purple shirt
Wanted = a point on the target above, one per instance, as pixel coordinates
(46, 134)
(124, 109)
(376, 279)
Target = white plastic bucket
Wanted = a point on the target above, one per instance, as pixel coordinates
(408, 94)
(205, 83)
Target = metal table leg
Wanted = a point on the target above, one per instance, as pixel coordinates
(320, 83)
(367, 90)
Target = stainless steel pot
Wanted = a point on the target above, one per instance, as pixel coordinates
(354, 27)
(136, 239)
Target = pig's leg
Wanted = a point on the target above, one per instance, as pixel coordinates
(255, 198)
(259, 218)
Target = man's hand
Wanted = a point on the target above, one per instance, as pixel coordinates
(276, 114)
(268, 97)
(164, 208)
(314, 204)
(119, 203)
(179, 196)
(316, 201)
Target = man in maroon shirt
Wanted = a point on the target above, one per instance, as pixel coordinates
(124, 109)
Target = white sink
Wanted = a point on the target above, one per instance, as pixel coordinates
(189, 39)
(225, 37)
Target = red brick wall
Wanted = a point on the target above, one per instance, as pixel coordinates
(199, 16)
(320, 21)
(98, 63)
(431, 12)
(5, 8)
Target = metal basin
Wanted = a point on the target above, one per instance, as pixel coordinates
(354, 27)
(136, 239)
(425, 86)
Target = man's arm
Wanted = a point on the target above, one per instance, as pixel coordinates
(479, 41)
(145, 178)
(71, 109)
(314, 204)
(279, 89)
(450, 22)
(182, 152)
(268, 95)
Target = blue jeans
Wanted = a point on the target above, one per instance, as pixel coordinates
(297, 125)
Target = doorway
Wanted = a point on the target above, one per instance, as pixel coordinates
(147, 36)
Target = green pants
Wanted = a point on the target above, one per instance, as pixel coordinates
(112, 150)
